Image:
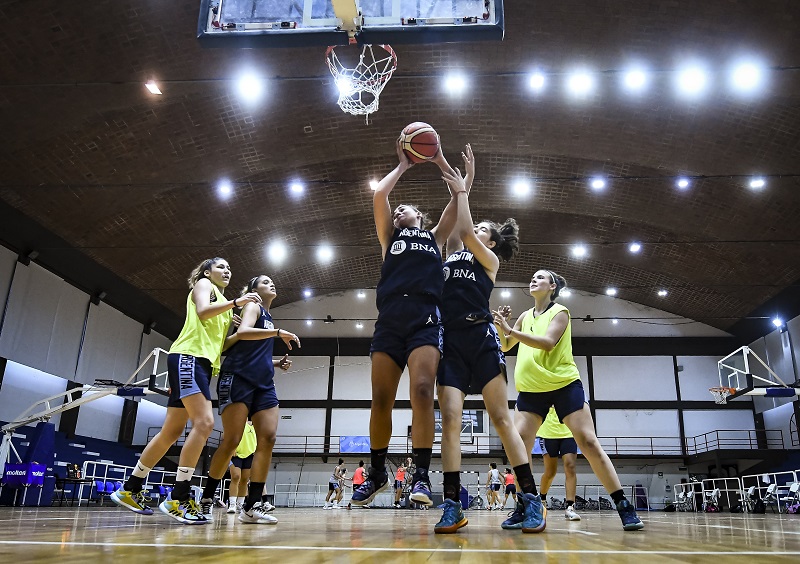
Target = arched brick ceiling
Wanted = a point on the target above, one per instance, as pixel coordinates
(128, 177)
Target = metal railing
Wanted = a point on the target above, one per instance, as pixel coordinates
(782, 480)
(647, 446)
(734, 439)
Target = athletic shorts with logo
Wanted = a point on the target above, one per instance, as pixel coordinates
(187, 375)
(232, 388)
(472, 358)
(406, 323)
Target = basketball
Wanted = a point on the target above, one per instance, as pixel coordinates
(420, 141)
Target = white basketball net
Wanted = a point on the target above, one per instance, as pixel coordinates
(360, 86)
(720, 394)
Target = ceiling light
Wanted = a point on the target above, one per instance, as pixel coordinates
(297, 187)
(683, 183)
(747, 77)
(635, 247)
(325, 253)
(309, 322)
(692, 80)
(152, 87)
(345, 85)
(597, 184)
(615, 321)
(521, 188)
(373, 184)
(611, 291)
(662, 293)
(580, 83)
(505, 294)
(635, 80)
(455, 83)
(757, 183)
(537, 81)
(277, 252)
(777, 322)
(579, 251)
(306, 293)
(565, 293)
(250, 87)
(224, 188)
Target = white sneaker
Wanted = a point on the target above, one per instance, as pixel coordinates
(267, 507)
(231, 509)
(570, 514)
(239, 506)
(327, 506)
(256, 516)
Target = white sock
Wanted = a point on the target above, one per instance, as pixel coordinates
(141, 471)
(232, 501)
(184, 474)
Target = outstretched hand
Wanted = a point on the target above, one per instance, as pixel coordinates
(405, 162)
(287, 337)
(469, 165)
(454, 180)
(500, 318)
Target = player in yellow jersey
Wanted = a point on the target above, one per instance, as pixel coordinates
(241, 463)
(546, 376)
(192, 359)
(556, 441)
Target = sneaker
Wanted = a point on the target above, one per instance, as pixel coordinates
(371, 487)
(452, 518)
(535, 514)
(630, 520)
(135, 501)
(327, 506)
(516, 517)
(570, 514)
(267, 506)
(239, 506)
(257, 516)
(205, 508)
(186, 512)
(219, 503)
(231, 508)
(421, 493)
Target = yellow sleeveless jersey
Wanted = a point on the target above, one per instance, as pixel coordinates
(203, 339)
(538, 370)
(247, 445)
(552, 429)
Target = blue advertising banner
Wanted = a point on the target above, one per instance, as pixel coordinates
(353, 444)
(25, 474)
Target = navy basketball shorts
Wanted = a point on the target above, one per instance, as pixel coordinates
(566, 400)
(232, 388)
(472, 358)
(333, 486)
(496, 487)
(242, 463)
(188, 375)
(406, 323)
(555, 448)
(398, 485)
(511, 489)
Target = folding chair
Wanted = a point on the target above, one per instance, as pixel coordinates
(792, 497)
(711, 501)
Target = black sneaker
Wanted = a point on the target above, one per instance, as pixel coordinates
(366, 492)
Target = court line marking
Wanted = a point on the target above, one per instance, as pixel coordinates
(390, 549)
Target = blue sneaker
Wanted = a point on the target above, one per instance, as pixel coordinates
(535, 514)
(516, 518)
(630, 520)
(366, 492)
(421, 493)
(452, 518)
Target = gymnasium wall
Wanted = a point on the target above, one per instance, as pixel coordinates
(782, 352)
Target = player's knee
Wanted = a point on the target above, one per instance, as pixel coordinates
(569, 467)
(204, 425)
(267, 439)
(421, 393)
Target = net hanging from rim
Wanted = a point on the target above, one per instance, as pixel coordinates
(721, 394)
(360, 86)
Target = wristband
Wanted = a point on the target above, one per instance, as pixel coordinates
(507, 335)
(234, 303)
(279, 332)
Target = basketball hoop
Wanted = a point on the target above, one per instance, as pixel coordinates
(360, 85)
(721, 394)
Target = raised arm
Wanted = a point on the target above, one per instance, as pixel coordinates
(454, 241)
(206, 309)
(381, 209)
(510, 336)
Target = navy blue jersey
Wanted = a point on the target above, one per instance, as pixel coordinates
(467, 287)
(252, 360)
(412, 265)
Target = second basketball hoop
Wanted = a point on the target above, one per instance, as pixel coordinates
(361, 77)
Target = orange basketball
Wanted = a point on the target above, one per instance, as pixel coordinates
(419, 141)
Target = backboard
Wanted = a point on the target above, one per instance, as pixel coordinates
(299, 23)
(744, 373)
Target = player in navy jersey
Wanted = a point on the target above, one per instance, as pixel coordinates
(408, 329)
(473, 362)
(246, 389)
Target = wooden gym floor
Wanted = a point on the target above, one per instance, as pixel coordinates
(108, 534)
